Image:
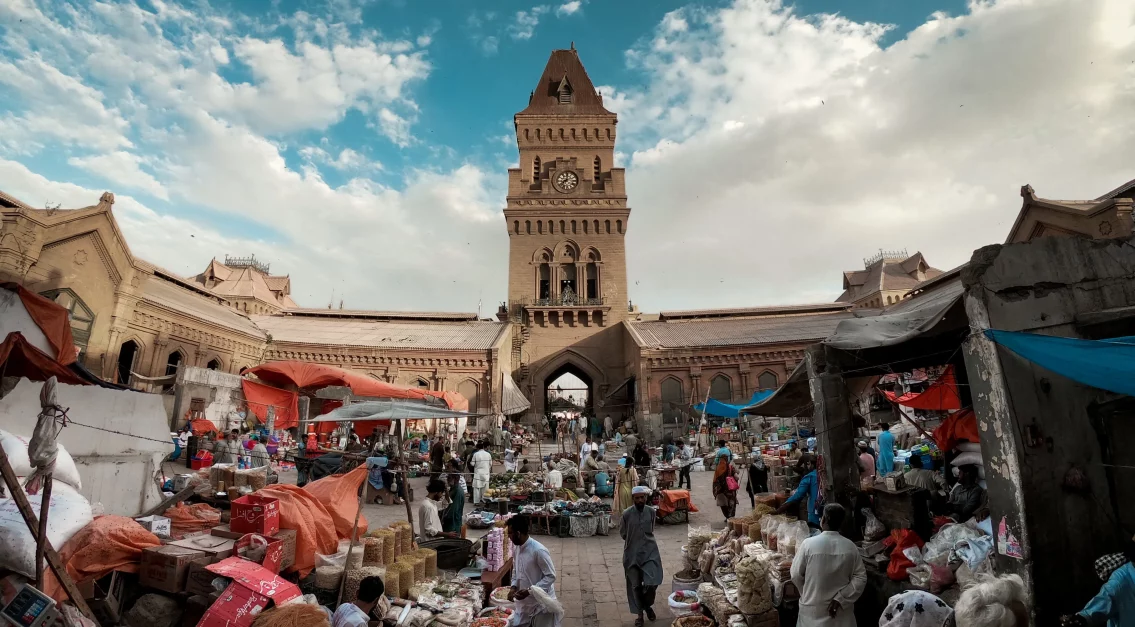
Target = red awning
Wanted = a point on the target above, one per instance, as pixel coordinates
(307, 375)
(958, 427)
(260, 397)
(52, 319)
(942, 394)
(18, 358)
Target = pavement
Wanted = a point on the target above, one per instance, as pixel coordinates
(590, 581)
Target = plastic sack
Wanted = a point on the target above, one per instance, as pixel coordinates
(68, 514)
(16, 447)
(920, 576)
(941, 577)
(968, 458)
(683, 603)
(337, 559)
(874, 529)
(901, 539)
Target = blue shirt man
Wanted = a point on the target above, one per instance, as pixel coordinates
(885, 463)
(1114, 606)
(668, 453)
(809, 487)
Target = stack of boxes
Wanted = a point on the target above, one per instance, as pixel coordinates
(498, 549)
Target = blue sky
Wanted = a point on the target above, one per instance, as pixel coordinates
(361, 146)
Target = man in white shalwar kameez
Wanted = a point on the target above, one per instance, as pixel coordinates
(828, 571)
(482, 462)
(532, 567)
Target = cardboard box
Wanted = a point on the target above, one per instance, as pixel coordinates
(180, 482)
(224, 531)
(288, 537)
(157, 525)
(255, 514)
(200, 580)
(252, 590)
(217, 548)
(273, 553)
(104, 597)
(166, 567)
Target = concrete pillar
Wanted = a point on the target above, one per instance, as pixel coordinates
(832, 422)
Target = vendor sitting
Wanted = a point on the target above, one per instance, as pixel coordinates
(922, 478)
(588, 468)
(525, 467)
(603, 484)
(967, 497)
(429, 512)
(554, 479)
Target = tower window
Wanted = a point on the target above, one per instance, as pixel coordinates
(536, 169)
(565, 92)
(608, 225)
(598, 169)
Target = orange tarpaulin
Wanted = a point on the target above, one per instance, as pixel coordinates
(52, 319)
(201, 426)
(959, 426)
(260, 397)
(21, 359)
(306, 375)
(185, 519)
(673, 499)
(942, 394)
(315, 529)
(340, 495)
(108, 543)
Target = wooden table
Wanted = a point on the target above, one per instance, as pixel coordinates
(493, 579)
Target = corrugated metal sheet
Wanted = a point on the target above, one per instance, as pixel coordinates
(382, 334)
(735, 332)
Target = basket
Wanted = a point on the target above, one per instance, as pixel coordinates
(692, 621)
(451, 553)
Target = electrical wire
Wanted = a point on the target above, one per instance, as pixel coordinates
(132, 435)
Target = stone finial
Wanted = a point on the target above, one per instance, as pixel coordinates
(107, 198)
(1027, 191)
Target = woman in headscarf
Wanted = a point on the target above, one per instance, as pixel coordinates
(725, 487)
(625, 482)
(757, 481)
(915, 608)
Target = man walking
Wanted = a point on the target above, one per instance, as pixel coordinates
(828, 571)
(532, 567)
(642, 563)
(685, 461)
(482, 465)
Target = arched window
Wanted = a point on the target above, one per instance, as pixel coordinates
(545, 282)
(568, 285)
(214, 364)
(128, 355)
(536, 169)
(528, 227)
(552, 227)
(469, 389)
(562, 225)
(422, 384)
(608, 227)
(767, 381)
(598, 169)
(172, 362)
(592, 281)
(540, 227)
(672, 398)
(619, 226)
(81, 317)
(721, 388)
(585, 229)
(516, 226)
(596, 227)
(573, 227)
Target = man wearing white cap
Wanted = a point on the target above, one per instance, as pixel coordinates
(642, 563)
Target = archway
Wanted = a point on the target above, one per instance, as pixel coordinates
(569, 389)
(127, 357)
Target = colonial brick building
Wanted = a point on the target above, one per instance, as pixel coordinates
(566, 218)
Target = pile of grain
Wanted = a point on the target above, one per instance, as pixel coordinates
(327, 577)
(430, 557)
(407, 537)
(399, 534)
(372, 551)
(419, 564)
(389, 539)
(405, 576)
(355, 577)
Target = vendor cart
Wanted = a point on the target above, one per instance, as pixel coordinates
(666, 478)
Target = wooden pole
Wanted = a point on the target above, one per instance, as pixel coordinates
(405, 476)
(354, 536)
(44, 506)
(29, 516)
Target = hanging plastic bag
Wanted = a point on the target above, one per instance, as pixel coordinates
(874, 529)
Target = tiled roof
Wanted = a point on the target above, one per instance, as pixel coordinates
(278, 283)
(1123, 191)
(382, 334)
(167, 294)
(740, 312)
(237, 282)
(438, 316)
(545, 98)
(886, 275)
(737, 331)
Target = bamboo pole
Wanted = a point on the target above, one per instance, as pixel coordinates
(405, 475)
(354, 537)
(41, 542)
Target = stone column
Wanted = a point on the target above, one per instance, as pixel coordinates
(112, 349)
(157, 360)
(746, 389)
(833, 421)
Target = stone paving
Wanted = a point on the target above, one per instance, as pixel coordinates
(590, 581)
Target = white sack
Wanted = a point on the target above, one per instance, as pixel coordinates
(69, 513)
(16, 447)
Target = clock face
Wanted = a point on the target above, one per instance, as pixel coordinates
(566, 181)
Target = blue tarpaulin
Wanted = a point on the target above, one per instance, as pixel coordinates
(724, 410)
(1105, 364)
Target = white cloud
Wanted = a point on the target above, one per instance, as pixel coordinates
(122, 168)
(525, 22)
(395, 127)
(348, 160)
(848, 147)
(569, 8)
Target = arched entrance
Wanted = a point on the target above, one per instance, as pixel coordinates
(127, 357)
(568, 388)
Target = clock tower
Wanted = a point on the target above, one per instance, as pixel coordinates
(567, 217)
